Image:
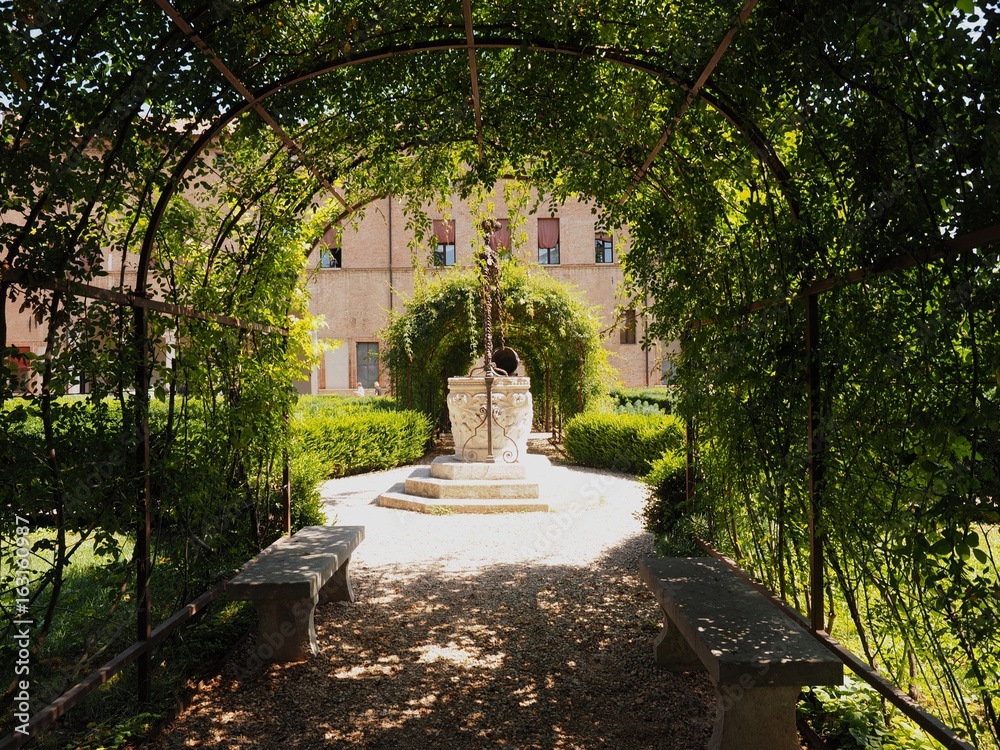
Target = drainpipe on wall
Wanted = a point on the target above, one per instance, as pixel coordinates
(390, 253)
(646, 346)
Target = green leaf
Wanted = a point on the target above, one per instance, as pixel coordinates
(941, 547)
(966, 6)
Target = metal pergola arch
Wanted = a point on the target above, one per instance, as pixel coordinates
(754, 137)
(138, 298)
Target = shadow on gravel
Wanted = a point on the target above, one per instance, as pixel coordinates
(516, 656)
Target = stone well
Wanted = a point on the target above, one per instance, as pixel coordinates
(512, 414)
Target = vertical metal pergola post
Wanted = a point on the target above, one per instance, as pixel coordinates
(689, 460)
(143, 562)
(689, 438)
(286, 487)
(286, 470)
(817, 456)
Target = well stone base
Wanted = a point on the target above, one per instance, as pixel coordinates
(451, 485)
(455, 468)
(403, 501)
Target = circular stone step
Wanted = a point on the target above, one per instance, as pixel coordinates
(404, 501)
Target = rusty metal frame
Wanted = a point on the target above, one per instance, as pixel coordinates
(816, 461)
(20, 277)
(291, 145)
(473, 72)
(692, 94)
(141, 304)
(98, 677)
(757, 140)
(816, 467)
(969, 241)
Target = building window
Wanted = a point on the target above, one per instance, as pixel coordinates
(330, 257)
(330, 253)
(628, 330)
(367, 365)
(21, 366)
(667, 371)
(603, 248)
(548, 242)
(501, 238)
(444, 231)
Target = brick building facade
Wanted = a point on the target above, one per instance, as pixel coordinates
(357, 281)
(369, 272)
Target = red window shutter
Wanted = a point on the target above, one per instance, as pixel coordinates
(501, 239)
(444, 231)
(548, 233)
(20, 362)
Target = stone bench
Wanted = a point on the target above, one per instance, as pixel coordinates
(286, 581)
(758, 658)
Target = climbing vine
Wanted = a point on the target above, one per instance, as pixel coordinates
(439, 335)
(830, 137)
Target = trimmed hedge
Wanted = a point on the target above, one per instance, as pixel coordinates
(624, 442)
(315, 406)
(95, 455)
(356, 441)
(666, 503)
(333, 437)
(663, 398)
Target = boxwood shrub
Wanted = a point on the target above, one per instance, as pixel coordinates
(623, 442)
(666, 503)
(354, 441)
(663, 398)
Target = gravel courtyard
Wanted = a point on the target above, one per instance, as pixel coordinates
(517, 630)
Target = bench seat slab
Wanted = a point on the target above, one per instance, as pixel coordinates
(283, 576)
(733, 628)
(319, 539)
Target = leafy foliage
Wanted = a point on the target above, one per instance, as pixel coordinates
(830, 137)
(852, 716)
(623, 442)
(357, 440)
(667, 499)
(663, 400)
(646, 408)
(439, 335)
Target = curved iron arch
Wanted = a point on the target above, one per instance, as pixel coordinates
(758, 141)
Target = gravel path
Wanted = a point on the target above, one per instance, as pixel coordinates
(506, 631)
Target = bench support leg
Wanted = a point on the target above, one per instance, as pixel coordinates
(755, 718)
(672, 651)
(286, 630)
(338, 588)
